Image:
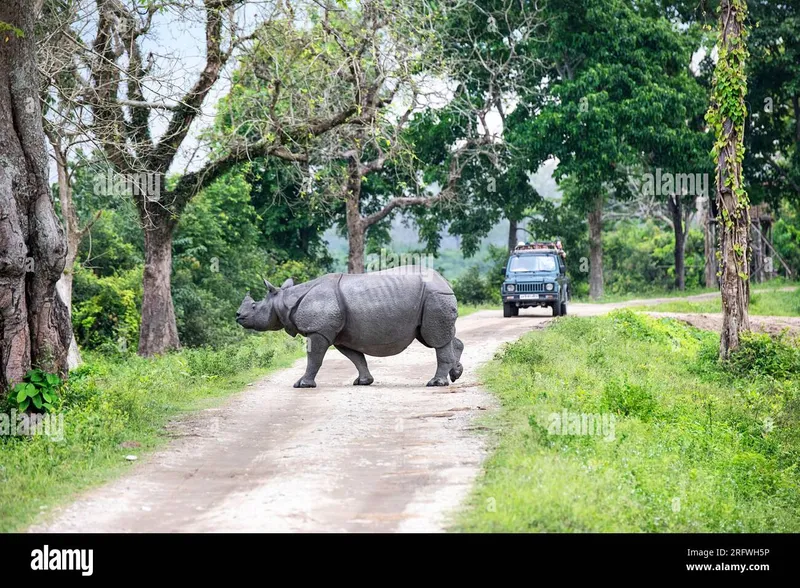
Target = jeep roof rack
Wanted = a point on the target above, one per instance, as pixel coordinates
(552, 246)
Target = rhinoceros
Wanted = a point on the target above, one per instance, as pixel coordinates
(378, 314)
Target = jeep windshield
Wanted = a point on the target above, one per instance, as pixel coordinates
(533, 263)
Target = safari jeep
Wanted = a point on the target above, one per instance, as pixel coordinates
(536, 276)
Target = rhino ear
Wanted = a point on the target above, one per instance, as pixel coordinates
(287, 284)
(270, 288)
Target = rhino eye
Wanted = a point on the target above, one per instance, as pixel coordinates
(254, 304)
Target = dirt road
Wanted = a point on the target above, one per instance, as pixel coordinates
(394, 456)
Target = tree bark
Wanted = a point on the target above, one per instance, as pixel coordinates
(709, 245)
(356, 227)
(676, 211)
(158, 332)
(596, 286)
(35, 326)
(512, 233)
(734, 224)
(74, 235)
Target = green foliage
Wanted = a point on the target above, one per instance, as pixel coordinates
(639, 257)
(472, 288)
(107, 310)
(38, 392)
(696, 446)
(760, 354)
(113, 407)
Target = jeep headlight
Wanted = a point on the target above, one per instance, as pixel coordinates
(510, 287)
(548, 287)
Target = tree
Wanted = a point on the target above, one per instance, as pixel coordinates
(35, 327)
(614, 102)
(726, 116)
(379, 71)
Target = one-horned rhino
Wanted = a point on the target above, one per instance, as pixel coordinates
(378, 313)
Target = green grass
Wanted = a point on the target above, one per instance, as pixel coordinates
(611, 298)
(764, 303)
(129, 399)
(694, 446)
(468, 309)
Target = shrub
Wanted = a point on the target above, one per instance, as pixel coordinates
(472, 288)
(765, 355)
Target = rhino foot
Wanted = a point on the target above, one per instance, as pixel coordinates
(438, 382)
(301, 383)
(363, 381)
(456, 372)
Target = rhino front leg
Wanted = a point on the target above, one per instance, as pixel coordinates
(364, 377)
(446, 360)
(316, 346)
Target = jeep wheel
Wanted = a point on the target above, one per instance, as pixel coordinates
(556, 309)
(508, 310)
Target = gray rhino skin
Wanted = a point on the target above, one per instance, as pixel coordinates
(378, 314)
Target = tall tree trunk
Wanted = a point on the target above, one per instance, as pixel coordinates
(356, 228)
(709, 244)
(596, 286)
(74, 236)
(727, 115)
(35, 327)
(159, 331)
(676, 211)
(512, 233)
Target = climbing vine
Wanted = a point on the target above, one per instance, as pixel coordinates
(728, 111)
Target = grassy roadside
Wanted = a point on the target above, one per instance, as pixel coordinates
(765, 303)
(108, 403)
(681, 443)
(611, 298)
(468, 309)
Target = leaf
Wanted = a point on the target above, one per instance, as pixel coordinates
(31, 391)
(53, 379)
(37, 401)
(48, 406)
(23, 406)
(36, 376)
(22, 395)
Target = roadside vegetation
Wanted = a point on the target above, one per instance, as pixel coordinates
(773, 302)
(114, 407)
(694, 445)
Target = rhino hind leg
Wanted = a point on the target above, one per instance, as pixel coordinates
(458, 347)
(446, 362)
(438, 329)
(364, 377)
(316, 346)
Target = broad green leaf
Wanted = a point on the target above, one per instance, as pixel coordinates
(22, 395)
(23, 406)
(37, 401)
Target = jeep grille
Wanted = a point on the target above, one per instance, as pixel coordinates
(530, 288)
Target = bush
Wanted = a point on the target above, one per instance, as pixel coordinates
(106, 313)
(764, 355)
(472, 288)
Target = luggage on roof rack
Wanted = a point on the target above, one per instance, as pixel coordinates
(554, 246)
